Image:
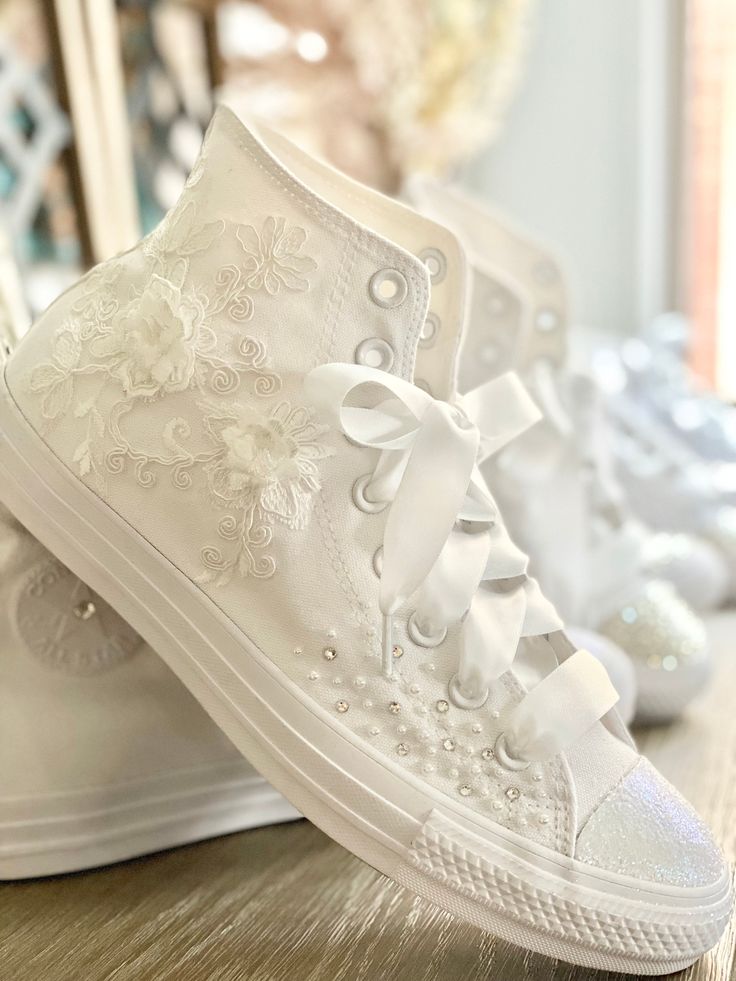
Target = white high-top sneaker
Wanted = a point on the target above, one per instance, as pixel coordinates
(224, 432)
(571, 504)
(104, 755)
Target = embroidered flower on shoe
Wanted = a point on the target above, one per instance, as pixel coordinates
(275, 253)
(155, 341)
(263, 468)
(266, 460)
(54, 380)
(180, 235)
(130, 340)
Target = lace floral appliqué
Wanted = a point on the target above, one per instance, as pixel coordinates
(262, 471)
(259, 461)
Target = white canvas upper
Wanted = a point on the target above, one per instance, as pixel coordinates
(171, 387)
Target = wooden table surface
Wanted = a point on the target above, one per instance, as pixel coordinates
(286, 904)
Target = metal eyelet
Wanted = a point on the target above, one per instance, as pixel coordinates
(430, 330)
(436, 264)
(378, 561)
(388, 288)
(361, 501)
(490, 354)
(497, 302)
(547, 320)
(463, 701)
(375, 353)
(509, 762)
(422, 639)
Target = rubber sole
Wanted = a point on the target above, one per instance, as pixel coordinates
(71, 831)
(446, 853)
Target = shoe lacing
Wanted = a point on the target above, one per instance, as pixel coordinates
(445, 544)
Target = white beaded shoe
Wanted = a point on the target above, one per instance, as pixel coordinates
(245, 435)
(571, 504)
(104, 755)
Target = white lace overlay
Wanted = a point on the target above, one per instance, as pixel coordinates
(258, 458)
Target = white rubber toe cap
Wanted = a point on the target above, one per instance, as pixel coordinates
(645, 829)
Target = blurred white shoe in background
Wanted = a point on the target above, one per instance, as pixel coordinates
(572, 504)
(104, 754)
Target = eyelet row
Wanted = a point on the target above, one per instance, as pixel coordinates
(374, 352)
(422, 639)
(388, 288)
(361, 501)
(436, 264)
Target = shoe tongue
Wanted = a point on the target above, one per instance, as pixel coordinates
(440, 254)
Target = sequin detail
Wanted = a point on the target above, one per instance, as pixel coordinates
(645, 829)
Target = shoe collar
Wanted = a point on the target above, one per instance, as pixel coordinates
(432, 252)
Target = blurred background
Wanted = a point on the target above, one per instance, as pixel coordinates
(607, 129)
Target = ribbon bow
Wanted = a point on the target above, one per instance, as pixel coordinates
(442, 539)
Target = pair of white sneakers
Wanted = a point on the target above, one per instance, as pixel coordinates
(245, 435)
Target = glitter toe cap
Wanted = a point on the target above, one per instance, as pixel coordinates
(645, 829)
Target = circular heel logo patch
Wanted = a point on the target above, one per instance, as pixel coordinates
(68, 627)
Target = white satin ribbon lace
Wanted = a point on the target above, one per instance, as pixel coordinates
(445, 545)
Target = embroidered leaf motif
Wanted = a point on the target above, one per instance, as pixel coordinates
(275, 256)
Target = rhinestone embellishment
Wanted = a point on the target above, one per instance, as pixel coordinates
(513, 793)
(394, 708)
(85, 610)
(442, 705)
(448, 744)
(465, 790)
(487, 753)
(402, 749)
(342, 706)
(329, 653)
(398, 651)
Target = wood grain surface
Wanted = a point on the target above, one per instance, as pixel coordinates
(286, 904)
